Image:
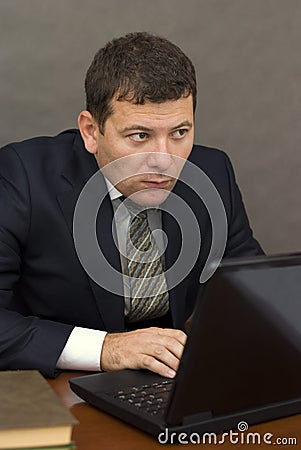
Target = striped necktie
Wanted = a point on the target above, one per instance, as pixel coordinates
(149, 294)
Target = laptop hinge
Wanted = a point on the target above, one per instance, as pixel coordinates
(197, 418)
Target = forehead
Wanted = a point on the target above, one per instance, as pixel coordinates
(170, 112)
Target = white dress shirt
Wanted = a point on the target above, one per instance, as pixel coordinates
(83, 348)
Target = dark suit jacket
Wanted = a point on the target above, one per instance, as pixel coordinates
(44, 290)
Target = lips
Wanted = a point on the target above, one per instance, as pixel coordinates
(159, 184)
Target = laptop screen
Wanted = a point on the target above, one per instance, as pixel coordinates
(244, 344)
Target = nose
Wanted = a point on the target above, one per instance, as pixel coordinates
(159, 158)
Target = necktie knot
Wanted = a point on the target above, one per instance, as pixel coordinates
(142, 215)
(133, 208)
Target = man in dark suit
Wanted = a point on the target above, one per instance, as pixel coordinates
(141, 98)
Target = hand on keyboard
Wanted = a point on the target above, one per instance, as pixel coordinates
(156, 349)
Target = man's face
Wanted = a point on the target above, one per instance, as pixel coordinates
(155, 133)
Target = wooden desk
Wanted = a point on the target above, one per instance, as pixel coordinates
(97, 430)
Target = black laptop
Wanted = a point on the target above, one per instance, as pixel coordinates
(242, 360)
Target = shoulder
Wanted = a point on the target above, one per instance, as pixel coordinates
(40, 160)
(44, 156)
(42, 145)
(207, 156)
(214, 162)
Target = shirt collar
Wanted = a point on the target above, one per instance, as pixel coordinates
(113, 192)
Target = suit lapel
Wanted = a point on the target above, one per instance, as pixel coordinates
(75, 175)
(77, 172)
(111, 305)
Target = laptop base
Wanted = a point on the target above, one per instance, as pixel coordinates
(87, 387)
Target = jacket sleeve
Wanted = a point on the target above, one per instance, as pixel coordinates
(241, 241)
(26, 342)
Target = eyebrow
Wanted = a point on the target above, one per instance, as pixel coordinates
(135, 127)
(186, 123)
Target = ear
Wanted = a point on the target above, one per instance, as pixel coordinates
(89, 131)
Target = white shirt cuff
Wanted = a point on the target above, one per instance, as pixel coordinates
(82, 350)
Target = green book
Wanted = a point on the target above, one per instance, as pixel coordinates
(31, 414)
(71, 446)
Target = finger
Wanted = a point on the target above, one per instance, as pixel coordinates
(165, 356)
(176, 334)
(162, 348)
(171, 344)
(173, 340)
(153, 364)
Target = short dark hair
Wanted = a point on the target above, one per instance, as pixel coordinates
(137, 67)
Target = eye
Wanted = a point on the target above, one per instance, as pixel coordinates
(138, 137)
(178, 134)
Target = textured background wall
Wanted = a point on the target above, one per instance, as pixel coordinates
(247, 55)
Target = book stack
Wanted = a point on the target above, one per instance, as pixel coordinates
(31, 414)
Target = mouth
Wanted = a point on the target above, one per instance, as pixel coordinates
(158, 184)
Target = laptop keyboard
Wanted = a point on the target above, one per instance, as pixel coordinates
(151, 398)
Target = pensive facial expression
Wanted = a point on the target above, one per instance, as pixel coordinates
(157, 136)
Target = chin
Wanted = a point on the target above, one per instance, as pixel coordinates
(150, 197)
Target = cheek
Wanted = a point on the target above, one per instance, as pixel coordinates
(128, 187)
(123, 176)
(189, 147)
(106, 155)
(184, 153)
